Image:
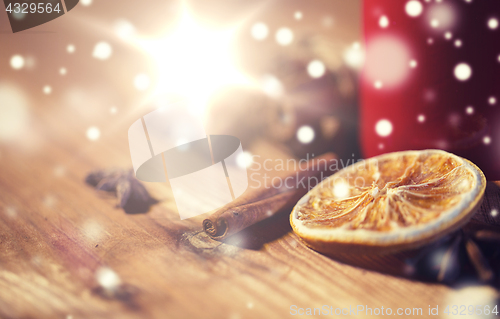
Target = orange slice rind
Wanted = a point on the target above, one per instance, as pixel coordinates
(388, 203)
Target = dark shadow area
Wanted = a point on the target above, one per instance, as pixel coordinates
(139, 206)
(268, 230)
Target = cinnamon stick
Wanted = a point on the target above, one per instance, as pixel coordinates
(256, 205)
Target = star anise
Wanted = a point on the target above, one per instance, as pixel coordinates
(473, 251)
(132, 195)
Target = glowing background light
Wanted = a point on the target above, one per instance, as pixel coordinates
(93, 133)
(124, 29)
(47, 89)
(421, 118)
(462, 71)
(305, 134)
(141, 82)
(271, 86)
(414, 8)
(316, 69)
(492, 100)
(70, 48)
(378, 85)
(354, 56)
(14, 112)
(492, 23)
(17, 62)
(86, 3)
(63, 71)
(494, 212)
(413, 64)
(442, 16)
(193, 61)
(298, 15)
(487, 140)
(458, 43)
(448, 35)
(387, 61)
(284, 36)
(244, 160)
(383, 22)
(383, 128)
(102, 51)
(469, 110)
(259, 31)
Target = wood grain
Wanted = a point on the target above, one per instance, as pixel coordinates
(56, 232)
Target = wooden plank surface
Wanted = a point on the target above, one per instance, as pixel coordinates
(56, 233)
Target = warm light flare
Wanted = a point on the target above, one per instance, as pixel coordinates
(193, 61)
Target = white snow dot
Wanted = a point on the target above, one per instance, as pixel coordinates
(469, 110)
(458, 43)
(487, 140)
(493, 23)
(448, 35)
(17, 62)
(102, 51)
(463, 71)
(430, 41)
(93, 133)
(494, 212)
(284, 36)
(305, 134)
(492, 100)
(414, 8)
(381, 146)
(141, 82)
(107, 278)
(47, 89)
(244, 160)
(383, 22)
(434, 23)
(316, 69)
(378, 85)
(63, 71)
(272, 86)
(341, 189)
(113, 110)
(421, 118)
(383, 128)
(124, 29)
(298, 15)
(70, 48)
(259, 31)
(86, 3)
(413, 64)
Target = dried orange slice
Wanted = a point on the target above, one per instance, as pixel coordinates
(390, 202)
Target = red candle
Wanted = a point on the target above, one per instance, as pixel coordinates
(432, 78)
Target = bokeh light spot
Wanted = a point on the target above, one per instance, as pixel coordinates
(305, 134)
(284, 36)
(316, 69)
(259, 31)
(383, 22)
(462, 71)
(493, 23)
(414, 8)
(141, 82)
(383, 128)
(93, 133)
(17, 62)
(102, 51)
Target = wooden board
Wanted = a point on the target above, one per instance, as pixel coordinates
(56, 232)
